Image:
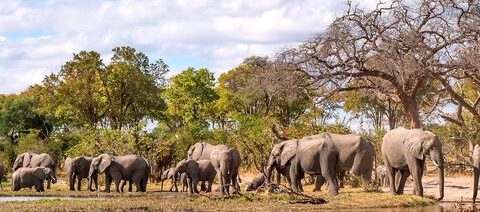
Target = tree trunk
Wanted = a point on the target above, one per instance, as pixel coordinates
(411, 108)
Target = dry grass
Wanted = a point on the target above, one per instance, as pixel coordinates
(155, 200)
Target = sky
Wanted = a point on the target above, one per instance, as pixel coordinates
(37, 37)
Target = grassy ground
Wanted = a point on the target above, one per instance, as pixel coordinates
(155, 200)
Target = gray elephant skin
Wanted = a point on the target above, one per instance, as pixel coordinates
(256, 182)
(196, 171)
(78, 169)
(405, 151)
(476, 170)
(28, 177)
(127, 168)
(168, 174)
(202, 150)
(356, 155)
(226, 163)
(32, 160)
(315, 155)
(382, 176)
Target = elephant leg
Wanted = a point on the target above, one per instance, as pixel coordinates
(79, 183)
(174, 184)
(108, 182)
(319, 180)
(138, 185)
(161, 185)
(476, 173)
(236, 186)
(403, 179)
(328, 172)
(195, 183)
(117, 184)
(48, 183)
(190, 185)
(294, 176)
(222, 183)
(390, 175)
(417, 172)
(72, 182)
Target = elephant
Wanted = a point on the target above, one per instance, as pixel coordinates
(273, 161)
(226, 163)
(476, 169)
(256, 182)
(356, 155)
(382, 176)
(78, 168)
(168, 174)
(132, 168)
(405, 151)
(184, 181)
(32, 160)
(315, 155)
(28, 177)
(203, 150)
(196, 171)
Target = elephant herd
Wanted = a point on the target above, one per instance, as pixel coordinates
(325, 156)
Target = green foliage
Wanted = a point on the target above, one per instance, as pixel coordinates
(190, 95)
(18, 115)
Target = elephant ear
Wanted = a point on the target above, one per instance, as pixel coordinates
(414, 146)
(105, 163)
(39, 173)
(27, 157)
(288, 152)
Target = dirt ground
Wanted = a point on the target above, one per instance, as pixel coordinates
(457, 189)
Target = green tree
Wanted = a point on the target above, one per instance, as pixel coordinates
(18, 116)
(189, 96)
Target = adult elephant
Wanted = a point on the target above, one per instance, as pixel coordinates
(78, 168)
(315, 155)
(405, 151)
(203, 150)
(300, 156)
(117, 168)
(227, 163)
(33, 160)
(278, 160)
(356, 154)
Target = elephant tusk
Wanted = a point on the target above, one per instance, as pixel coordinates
(435, 163)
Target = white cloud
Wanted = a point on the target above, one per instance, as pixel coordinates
(37, 37)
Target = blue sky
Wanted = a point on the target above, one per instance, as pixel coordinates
(37, 37)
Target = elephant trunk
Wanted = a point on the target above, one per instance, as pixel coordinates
(91, 174)
(270, 167)
(437, 158)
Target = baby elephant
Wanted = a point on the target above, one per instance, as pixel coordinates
(196, 171)
(28, 177)
(257, 182)
(382, 176)
(168, 174)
